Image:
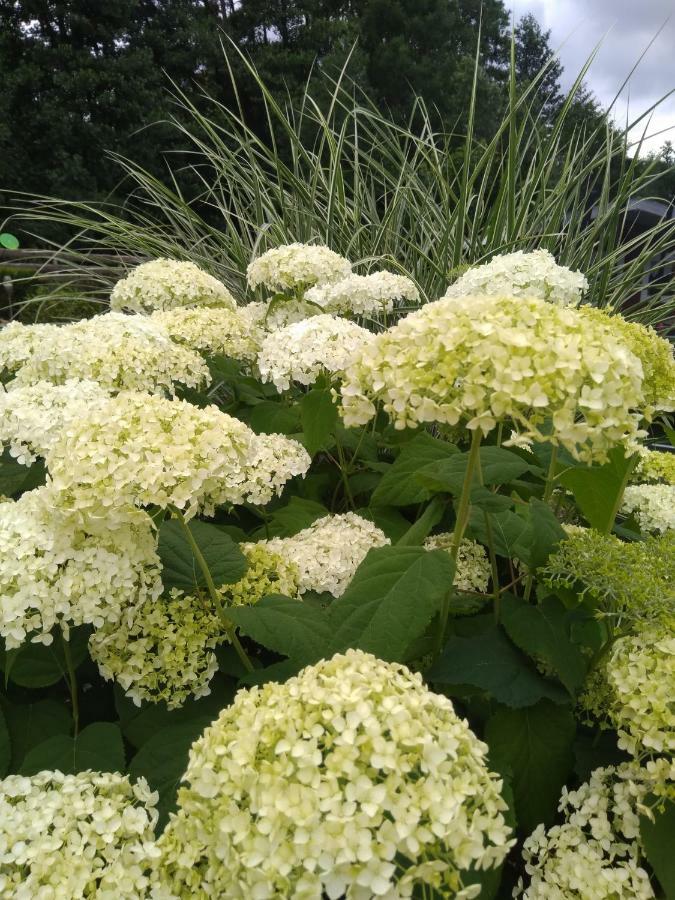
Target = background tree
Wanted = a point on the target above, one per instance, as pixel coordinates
(533, 52)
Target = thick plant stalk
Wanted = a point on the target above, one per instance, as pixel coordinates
(463, 510)
(72, 684)
(213, 592)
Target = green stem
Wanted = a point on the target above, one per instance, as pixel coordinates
(342, 466)
(72, 684)
(548, 493)
(213, 593)
(460, 527)
(496, 593)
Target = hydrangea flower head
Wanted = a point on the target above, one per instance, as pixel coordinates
(630, 581)
(476, 361)
(61, 569)
(329, 551)
(653, 505)
(85, 835)
(473, 570)
(521, 274)
(117, 351)
(640, 674)
(654, 352)
(161, 649)
(32, 416)
(350, 780)
(297, 266)
(214, 331)
(363, 295)
(655, 466)
(304, 350)
(149, 450)
(18, 343)
(596, 853)
(168, 284)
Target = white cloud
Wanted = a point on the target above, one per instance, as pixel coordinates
(624, 29)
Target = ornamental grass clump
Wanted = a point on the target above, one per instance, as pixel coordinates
(521, 274)
(61, 569)
(89, 835)
(350, 780)
(148, 450)
(164, 284)
(477, 361)
(118, 352)
(597, 852)
(305, 350)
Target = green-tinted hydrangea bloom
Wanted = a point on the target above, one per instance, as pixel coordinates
(654, 352)
(655, 466)
(640, 675)
(633, 581)
(268, 573)
(477, 361)
(351, 780)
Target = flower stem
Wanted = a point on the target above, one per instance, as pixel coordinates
(463, 510)
(213, 592)
(72, 684)
(548, 493)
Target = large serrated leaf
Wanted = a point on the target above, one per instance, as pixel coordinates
(319, 417)
(498, 466)
(489, 661)
(399, 485)
(98, 747)
(287, 626)
(598, 489)
(393, 596)
(543, 631)
(535, 746)
(658, 837)
(31, 724)
(180, 569)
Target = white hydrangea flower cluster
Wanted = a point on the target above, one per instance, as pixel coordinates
(297, 266)
(641, 677)
(161, 649)
(168, 284)
(56, 568)
(350, 780)
(32, 416)
(213, 331)
(596, 854)
(328, 553)
(655, 466)
(117, 351)
(19, 342)
(149, 450)
(480, 360)
(653, 506)
(363, 295)
(76, 836)
(521, 274)
(307, 349)
(473, 570)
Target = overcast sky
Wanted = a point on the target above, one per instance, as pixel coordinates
(625, 28)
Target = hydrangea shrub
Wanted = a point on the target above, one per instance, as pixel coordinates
(307, 593)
